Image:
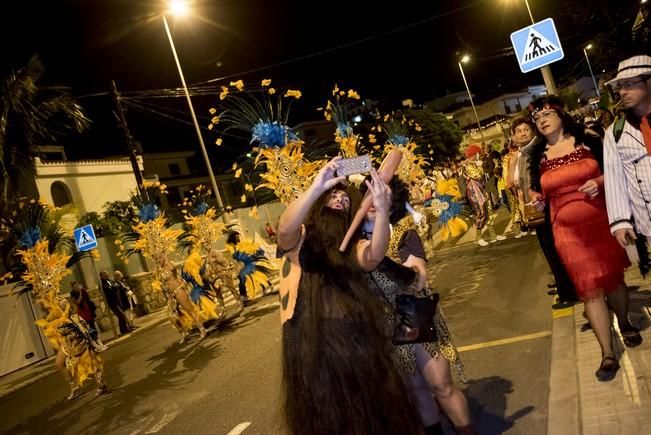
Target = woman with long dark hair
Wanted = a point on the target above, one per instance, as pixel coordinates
(338, 375)
(566, 175)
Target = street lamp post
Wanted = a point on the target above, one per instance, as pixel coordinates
(465, 59)
(179, 8)
(587, 59)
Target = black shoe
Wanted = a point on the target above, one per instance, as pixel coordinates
(552, 292)
(608, 369)
(551, 285)
(631, 337)
(562, 304)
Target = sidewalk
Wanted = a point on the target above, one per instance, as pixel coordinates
(578, 402)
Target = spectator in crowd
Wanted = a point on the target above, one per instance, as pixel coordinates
(566, 176)
(561, 285)
(627, 149)
(127, 298)
(87, 310)
(112, 294)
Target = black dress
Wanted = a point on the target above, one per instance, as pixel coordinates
(338, 374)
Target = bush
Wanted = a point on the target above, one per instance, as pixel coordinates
(94, 219)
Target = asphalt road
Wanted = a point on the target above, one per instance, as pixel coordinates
(495, 302)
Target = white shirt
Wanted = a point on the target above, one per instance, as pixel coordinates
(627, 180)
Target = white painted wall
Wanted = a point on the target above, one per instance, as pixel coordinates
(91, 183)
(21, 343)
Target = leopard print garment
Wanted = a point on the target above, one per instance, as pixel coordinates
(404, 355)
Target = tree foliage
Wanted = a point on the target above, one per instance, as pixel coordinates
(30, 115)
(439, 137)
(116, 219)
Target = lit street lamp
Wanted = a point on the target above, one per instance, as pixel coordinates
(587, 59)
(465, 59)
(180, 8)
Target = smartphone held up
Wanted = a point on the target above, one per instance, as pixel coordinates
(354, 165)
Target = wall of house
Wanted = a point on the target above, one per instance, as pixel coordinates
(90, 184)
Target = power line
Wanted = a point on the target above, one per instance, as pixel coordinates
(342, 46)
(179, 120)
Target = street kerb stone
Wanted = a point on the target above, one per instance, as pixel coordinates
(563, 404)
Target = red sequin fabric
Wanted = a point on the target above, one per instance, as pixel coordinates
(592, 257)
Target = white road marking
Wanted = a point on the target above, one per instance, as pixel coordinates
(167, 418)
(262, 307)
(239, 428)
(143, 423)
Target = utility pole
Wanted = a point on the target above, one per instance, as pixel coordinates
(546, 72)
(122, 120)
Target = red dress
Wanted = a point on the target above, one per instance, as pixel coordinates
(592, 257)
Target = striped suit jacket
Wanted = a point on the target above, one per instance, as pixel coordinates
(627, 180)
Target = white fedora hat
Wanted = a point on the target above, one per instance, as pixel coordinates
(632, 67)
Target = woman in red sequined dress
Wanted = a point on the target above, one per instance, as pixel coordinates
(567, 177)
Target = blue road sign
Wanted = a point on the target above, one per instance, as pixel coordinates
(537, 45)
(85, 238)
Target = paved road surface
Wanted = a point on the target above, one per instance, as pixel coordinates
(497, 309)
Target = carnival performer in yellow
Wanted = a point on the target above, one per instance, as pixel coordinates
(156, 241)
(43, 248)
(445, 205)
(205, 268)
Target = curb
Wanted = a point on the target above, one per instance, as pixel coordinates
(563, 416)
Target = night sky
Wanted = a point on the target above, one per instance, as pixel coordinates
(407, 50)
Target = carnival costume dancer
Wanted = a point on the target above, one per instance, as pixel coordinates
(42, 245)
(206, 269)
(156, 241)
(338, 375)
(447, 207)
(262, 113)
(478, 198)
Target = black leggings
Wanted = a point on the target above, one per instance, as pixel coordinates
(566, 291)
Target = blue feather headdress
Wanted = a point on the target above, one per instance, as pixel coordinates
(258, 112)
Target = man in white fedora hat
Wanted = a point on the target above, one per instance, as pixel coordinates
(627, 153)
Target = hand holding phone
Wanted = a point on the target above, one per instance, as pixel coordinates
(354, 165)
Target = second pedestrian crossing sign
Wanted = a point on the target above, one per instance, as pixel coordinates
(85, 238)
(537, 45)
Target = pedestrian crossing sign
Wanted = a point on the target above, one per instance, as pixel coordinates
(537, 45)
(85, 238)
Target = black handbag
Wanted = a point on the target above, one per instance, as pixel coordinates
(415, 315)
(415, 319)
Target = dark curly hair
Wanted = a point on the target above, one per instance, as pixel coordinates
(570, 127)
(399, 196)
(522, 120)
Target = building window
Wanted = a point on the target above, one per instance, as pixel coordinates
(175, 169)
(60, 194)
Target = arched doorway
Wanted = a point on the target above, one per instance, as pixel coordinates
(60, 194)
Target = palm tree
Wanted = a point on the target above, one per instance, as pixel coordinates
(30, 116)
